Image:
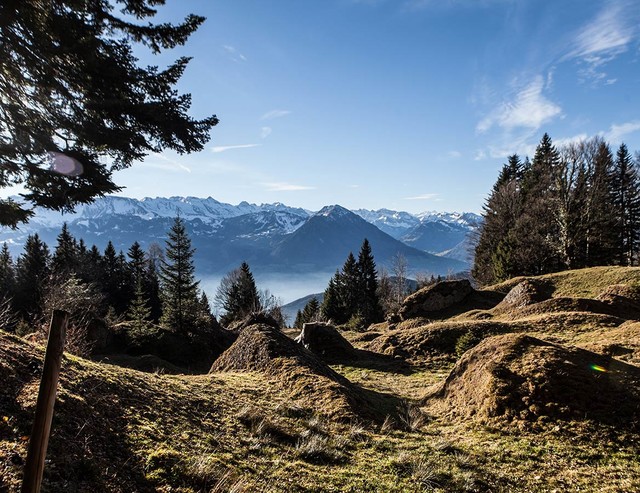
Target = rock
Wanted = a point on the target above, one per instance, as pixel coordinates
(526, 293)
(435, 298)
(324, 340)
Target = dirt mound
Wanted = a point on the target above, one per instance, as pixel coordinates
(262, 348)
(435, 298)
(253, 319)
(325, 341)
(434, 339)
(623, 299)
(621, 342)
(525, 293)
(559, 305)
(519, 378)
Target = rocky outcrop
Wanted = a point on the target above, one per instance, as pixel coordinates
(324, 340)
(436, 298)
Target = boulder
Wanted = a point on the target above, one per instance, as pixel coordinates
(525, 293)
(325, 341)
(435, 298)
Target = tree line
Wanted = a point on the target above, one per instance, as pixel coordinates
(569, 207)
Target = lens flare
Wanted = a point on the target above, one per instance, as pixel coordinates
(65, 165)
(598, 368)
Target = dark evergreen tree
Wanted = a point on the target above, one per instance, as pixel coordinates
(536, 232)
(32, 275)
(625, 190)
(237, 295)
(310, 313)
(332, 308)
(179, 288)
(600, 213)
(369, 307)
(7, 274)
(494, 252)
(139, 313)
(65, 260)
(73, 93)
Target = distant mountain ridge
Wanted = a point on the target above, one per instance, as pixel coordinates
(271, 237)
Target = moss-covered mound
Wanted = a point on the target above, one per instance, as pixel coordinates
(433, 339)
(518, 378)
(266, 349)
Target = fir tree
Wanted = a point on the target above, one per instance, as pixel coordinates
(32, 275)
(139, 313)
(73, 93)
(332, 308)
(7, 274)
(626, 200)
(179, 287)
(237, 295)
(65, 260)
(369, 306)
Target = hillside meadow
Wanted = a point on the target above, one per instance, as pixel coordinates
(532, 385)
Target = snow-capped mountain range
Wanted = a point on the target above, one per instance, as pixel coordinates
(271, 237)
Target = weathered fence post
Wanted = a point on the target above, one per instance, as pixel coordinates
(39, 439)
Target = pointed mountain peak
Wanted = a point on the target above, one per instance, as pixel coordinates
(334, 211)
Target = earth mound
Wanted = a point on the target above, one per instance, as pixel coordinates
(435, 298)
(623, 299)
(433, 339)
(521, 379)
(263, 348)
(325, 341)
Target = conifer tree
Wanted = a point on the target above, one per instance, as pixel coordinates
(65, 260)
(310, 313)
(369, 306)
(536, 230)
(7, 273)
(332, 308)
(179, 287)
(494, 252)
(237, 295)
(625, 188)
(73, 93)
(139, 313)
(32, 275)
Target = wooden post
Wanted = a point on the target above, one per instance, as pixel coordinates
(39, 439)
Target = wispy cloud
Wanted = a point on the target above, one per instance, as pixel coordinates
(529, 108)
(603, 39)
(160, 161)
(265, 132)
(454, 154)
(218, 149)
(616, 133)
(234, 54)
(285, 187)
(424, 196)
(273, 114)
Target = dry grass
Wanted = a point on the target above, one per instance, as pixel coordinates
(286, 425)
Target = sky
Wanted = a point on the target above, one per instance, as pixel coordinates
(409, 105)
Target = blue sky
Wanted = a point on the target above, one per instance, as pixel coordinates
(406, 104)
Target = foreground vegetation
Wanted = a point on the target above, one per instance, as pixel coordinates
(118, 429)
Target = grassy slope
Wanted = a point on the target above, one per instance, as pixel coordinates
(121, 430)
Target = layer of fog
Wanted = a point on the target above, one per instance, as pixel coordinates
(285, 287)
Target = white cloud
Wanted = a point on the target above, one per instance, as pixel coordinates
(424, 196)
(160, 161)
(285, 187)
(218, 149)
(616, 133)
(234, 54)
(454, 154)
(480, 155)
(271, 115)
(603, 39)
(607, 35)
(529, 109)
(265, 132)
